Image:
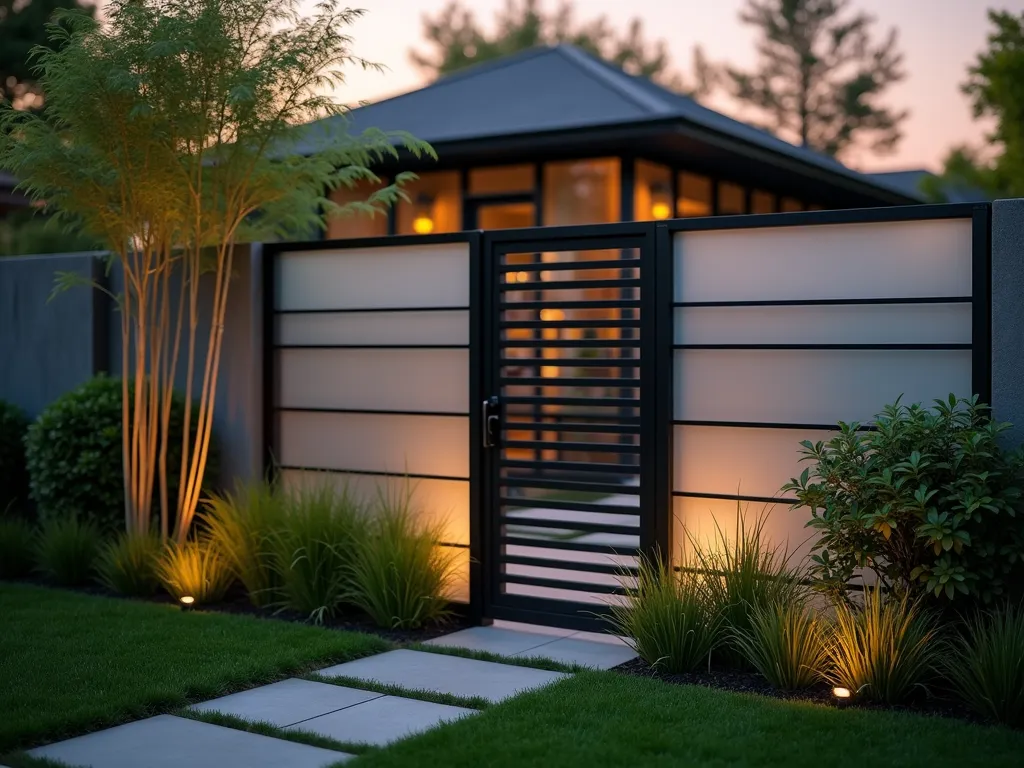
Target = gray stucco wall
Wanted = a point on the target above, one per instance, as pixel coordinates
(1008, 314)
(48, 347)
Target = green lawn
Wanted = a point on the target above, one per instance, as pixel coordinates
(71, 663)
(602, 719)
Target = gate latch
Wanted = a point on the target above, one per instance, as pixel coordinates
(491, 421)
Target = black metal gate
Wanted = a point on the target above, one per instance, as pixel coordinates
(569, 377)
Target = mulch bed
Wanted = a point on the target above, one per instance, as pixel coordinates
(743, 681)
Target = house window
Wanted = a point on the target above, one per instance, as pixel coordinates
(652, 197)
(732, 198)
(356, 223)
(435, 205)
(762, 202)
(506, 178)
(791, 205)
(581, 192)
(694, 195)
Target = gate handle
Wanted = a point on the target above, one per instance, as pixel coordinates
(490, 421)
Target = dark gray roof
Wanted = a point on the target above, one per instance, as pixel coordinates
(551, 89)
(910, 182)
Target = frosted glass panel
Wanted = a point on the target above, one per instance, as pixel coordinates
(913, 258)
(376, 379)
(748, 462)
(374, 328)
(443, 502)
(697, 518)
(861, 324)
(358, 278)
(420, 445)
(817, 387)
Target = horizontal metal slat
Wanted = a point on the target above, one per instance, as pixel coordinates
(605, 362)
(552, 426)
(569, 381)
(571, 343)
(570, 565)
(561, 285)
(559, 324)
(594, 304)
(575, 586)
(552, 266)
(622, 530)
(574, 506)
(560, 445)
(594, 402)
(570, 466)
(569, 546)
(569, 485)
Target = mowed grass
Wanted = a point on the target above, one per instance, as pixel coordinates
(71, 663)
(601, 719)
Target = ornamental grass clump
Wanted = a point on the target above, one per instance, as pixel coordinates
(128, 564)
(667, 617)
(314, 549)
(785, 643)
(195, 569)
(243, 527)
(67, 551)
(744, 573)
(885, 649)
(987, 666)
(401, 573)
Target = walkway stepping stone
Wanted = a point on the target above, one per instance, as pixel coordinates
(383, 720)
(586, 653)
(287, 702)
(493, 640)
(166, 741)
(420, 670)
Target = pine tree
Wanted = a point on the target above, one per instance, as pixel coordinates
(820, 76)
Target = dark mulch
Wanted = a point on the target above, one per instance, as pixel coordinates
(237, 601)
(743, 681)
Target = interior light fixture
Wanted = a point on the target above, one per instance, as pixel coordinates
(423, 214)
(661, 202)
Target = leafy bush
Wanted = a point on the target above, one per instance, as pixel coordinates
(400, 572)
(315, 547)
(73, 452)
(67, 550)
(13, 475)
(987, 667)
(195, 568)
(243, 526)
(884, 649)
(128, 564)
(667, 618)
(929, 501)
(16, 548)
(786, 644)
(744, 573)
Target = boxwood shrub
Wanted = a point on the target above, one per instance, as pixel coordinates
(73, 453)
(13, 476)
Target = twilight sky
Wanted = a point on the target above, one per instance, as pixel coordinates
(938, 37)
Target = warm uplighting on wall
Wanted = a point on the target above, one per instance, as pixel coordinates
(423, 221)
(661, 201)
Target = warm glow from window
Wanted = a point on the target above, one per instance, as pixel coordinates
(660, 210)
(552, 314)
(522, 277)
(549, 371)
(423, 224)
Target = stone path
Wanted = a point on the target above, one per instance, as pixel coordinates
(346, 714)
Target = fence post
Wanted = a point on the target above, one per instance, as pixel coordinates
(1007, 287)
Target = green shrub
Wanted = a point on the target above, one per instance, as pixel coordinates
(315, 547)
(13, 475)
(786, 644)
(67, 551)
(73, 451)
(401, 574)
(928, 500)
(742, 574)
(667, 618)
(16, 548)
(884, 649)
(128, 564)
(195, 568)
(243, 526)
(987, 667)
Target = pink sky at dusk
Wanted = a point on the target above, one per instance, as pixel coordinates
(939, 38)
